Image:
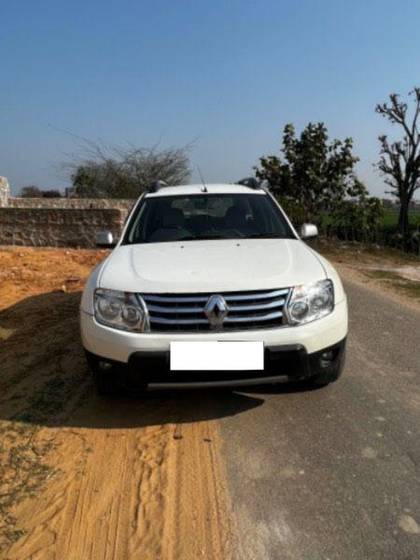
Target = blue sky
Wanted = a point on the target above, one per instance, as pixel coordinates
(225, 74)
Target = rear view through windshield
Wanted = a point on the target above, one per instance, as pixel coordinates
(207, 216)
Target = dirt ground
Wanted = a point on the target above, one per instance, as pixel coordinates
(83, 476)
(379, 268)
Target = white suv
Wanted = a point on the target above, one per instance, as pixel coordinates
(212, 286)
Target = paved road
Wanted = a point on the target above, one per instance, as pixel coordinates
(335, 473)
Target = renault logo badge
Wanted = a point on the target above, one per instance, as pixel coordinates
(216, 310)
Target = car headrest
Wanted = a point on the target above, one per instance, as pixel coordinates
(172, 217)
(235, 217)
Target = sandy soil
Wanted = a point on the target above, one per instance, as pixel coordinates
(83, 477)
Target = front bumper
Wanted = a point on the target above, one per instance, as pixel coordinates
(120, 345)
(290, 353)
(284, 363)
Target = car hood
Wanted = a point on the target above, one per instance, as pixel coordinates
(210, 266)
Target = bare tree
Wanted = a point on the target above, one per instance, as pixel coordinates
(400, 161)
(114, 172)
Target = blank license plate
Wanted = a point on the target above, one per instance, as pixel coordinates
(214, 355)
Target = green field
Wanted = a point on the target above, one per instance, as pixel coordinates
(390, 220)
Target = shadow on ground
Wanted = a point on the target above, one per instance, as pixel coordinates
(44, 379)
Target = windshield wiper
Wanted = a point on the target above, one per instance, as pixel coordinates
(216, 236)
(208, 236)
(205, 237)
(266, 236)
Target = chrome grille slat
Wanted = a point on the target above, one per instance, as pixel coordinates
(246, 310)
(162, 309)
(250, 319)
(229, 296)
(263, 295)
(175, 298)
(258, 306)
(164, 321)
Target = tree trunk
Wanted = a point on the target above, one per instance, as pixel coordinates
(403, 217)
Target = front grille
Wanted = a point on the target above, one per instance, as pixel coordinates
(246, 310)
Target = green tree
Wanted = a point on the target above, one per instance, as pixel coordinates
(311, 173)
(357, 219)
(31, 191)
(400, 161)
(53, 193)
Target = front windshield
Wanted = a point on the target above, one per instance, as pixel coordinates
(206, 216)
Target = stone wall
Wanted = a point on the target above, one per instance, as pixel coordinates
(57, 227)
(77, 203)
(58, 222)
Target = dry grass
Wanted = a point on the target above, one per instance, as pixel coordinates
(391, 270)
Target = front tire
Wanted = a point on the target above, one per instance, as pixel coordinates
(331, 374)
(105, 384)
(320, 380)
(105, 379)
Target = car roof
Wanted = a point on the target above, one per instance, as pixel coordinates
(215, 188)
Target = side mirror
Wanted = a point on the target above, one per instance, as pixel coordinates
(105, 239)
(308, 230)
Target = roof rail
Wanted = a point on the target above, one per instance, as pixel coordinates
(156, 186)
(253, 183)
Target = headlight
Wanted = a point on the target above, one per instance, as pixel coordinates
(310, 302)
(120, 310)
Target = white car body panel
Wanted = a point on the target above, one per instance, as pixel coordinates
(214, 188)
(211, 266)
